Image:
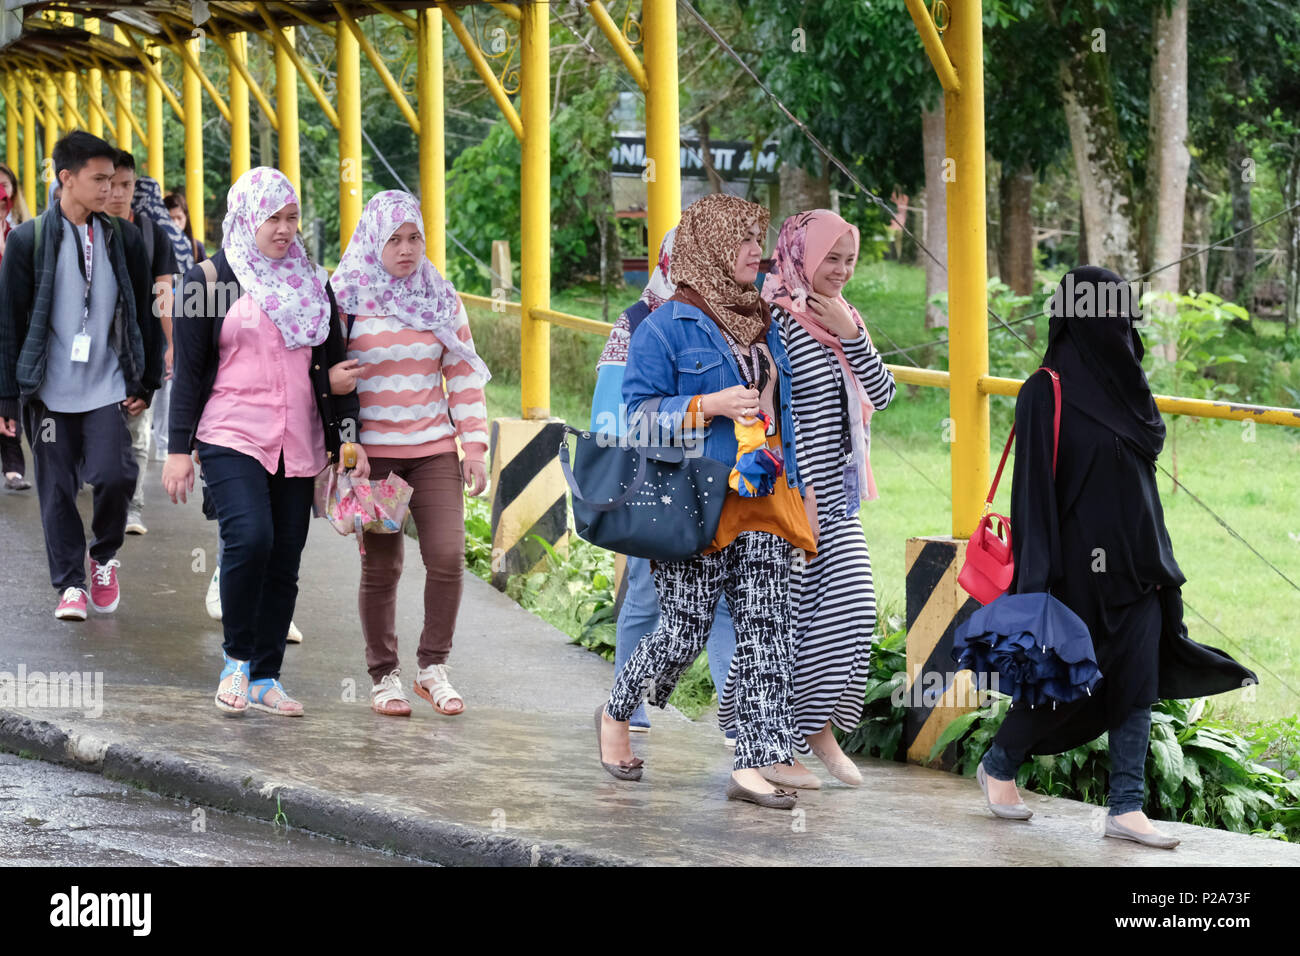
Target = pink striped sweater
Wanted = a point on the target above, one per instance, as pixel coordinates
(411, 405)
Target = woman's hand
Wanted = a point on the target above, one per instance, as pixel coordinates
(178, 477)
(473, 471)
(810, 509)
(832, 315)
(167, 362)
(738, 403)
(362, 467)
(343, 376)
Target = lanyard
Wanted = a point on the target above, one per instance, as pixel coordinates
(88, 253)
(738, 353)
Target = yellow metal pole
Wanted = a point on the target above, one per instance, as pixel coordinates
(11, 122)
(663, 133)
(122, 93)
(51, 119)
(968, 340)
(240, 155)
(433, 169)
(29, 144)
(349, 109)
(68, 79)
(190, 55)
(535, 210)
(286, 105)
(154, 122)
(192, 94)
(94, 89)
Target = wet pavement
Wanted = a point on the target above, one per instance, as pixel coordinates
(56, 816)
(512, 781)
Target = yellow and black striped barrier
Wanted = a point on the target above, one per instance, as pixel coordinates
(936, 693)
(529, 494)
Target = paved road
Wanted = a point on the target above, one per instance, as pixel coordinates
(56, 816)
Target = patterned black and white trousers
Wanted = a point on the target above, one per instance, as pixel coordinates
(754, 572)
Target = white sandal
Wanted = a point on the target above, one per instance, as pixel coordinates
(387, 697)
(441, 690)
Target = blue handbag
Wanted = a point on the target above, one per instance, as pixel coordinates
(643, 501)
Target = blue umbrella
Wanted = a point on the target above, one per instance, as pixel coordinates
(1039, 648)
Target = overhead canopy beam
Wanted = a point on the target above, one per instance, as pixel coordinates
(192, 61)
(291, 52)
(484, 71)
(394, 90)
(619, 43)
(237, 61)
(156, 75)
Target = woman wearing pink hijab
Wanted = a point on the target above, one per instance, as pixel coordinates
(839, 380)
(422, 405)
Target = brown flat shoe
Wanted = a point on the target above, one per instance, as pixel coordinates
(777, 800)
(623, 770)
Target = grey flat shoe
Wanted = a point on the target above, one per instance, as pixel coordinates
(779, 800)
(1007, 811)
(1162, 841)
(623, 770)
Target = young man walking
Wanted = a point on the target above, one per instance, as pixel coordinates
(162, 264)
(81, 352)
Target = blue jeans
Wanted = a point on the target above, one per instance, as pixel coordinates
(263, 521)
(639, 616)
(1128, 757)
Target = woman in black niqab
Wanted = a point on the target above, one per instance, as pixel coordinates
(1094, 536)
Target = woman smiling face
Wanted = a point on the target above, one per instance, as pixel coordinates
(836, 269)
(274, 236)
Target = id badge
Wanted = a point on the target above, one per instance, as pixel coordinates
(81, 347)
(852, 490)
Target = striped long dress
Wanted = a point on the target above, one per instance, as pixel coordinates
(833, 596)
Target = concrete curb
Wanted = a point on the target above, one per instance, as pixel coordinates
(306, 808)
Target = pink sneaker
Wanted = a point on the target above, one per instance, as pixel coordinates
(72, 606)
(104, 592)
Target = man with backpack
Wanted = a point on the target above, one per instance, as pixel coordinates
(81, 352)
(162, 265)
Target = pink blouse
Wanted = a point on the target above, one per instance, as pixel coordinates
(262, 402)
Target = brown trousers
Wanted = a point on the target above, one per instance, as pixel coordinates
(437, 508)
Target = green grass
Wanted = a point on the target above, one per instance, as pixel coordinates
(1255, 486)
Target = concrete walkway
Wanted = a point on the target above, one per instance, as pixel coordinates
(513, 781)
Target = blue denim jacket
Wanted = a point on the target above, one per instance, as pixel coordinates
(678, 352)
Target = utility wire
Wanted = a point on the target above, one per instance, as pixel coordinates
(830, 157)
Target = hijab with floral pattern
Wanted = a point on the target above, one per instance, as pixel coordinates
(804, 241)
(657, 291)
(424, 300)
(148, 203)
(290, 290)
(704, 260)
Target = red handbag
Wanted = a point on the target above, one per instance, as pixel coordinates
(989, 566)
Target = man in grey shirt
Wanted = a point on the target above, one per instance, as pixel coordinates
(81, 350)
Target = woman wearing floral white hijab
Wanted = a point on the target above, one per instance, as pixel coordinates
(251, 393)
(421, 388)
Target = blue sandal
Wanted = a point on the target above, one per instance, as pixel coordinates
(238, 671)
(286, 706)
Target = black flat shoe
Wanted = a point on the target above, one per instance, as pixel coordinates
(624, 770)
(777, 800)
(17, 484)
